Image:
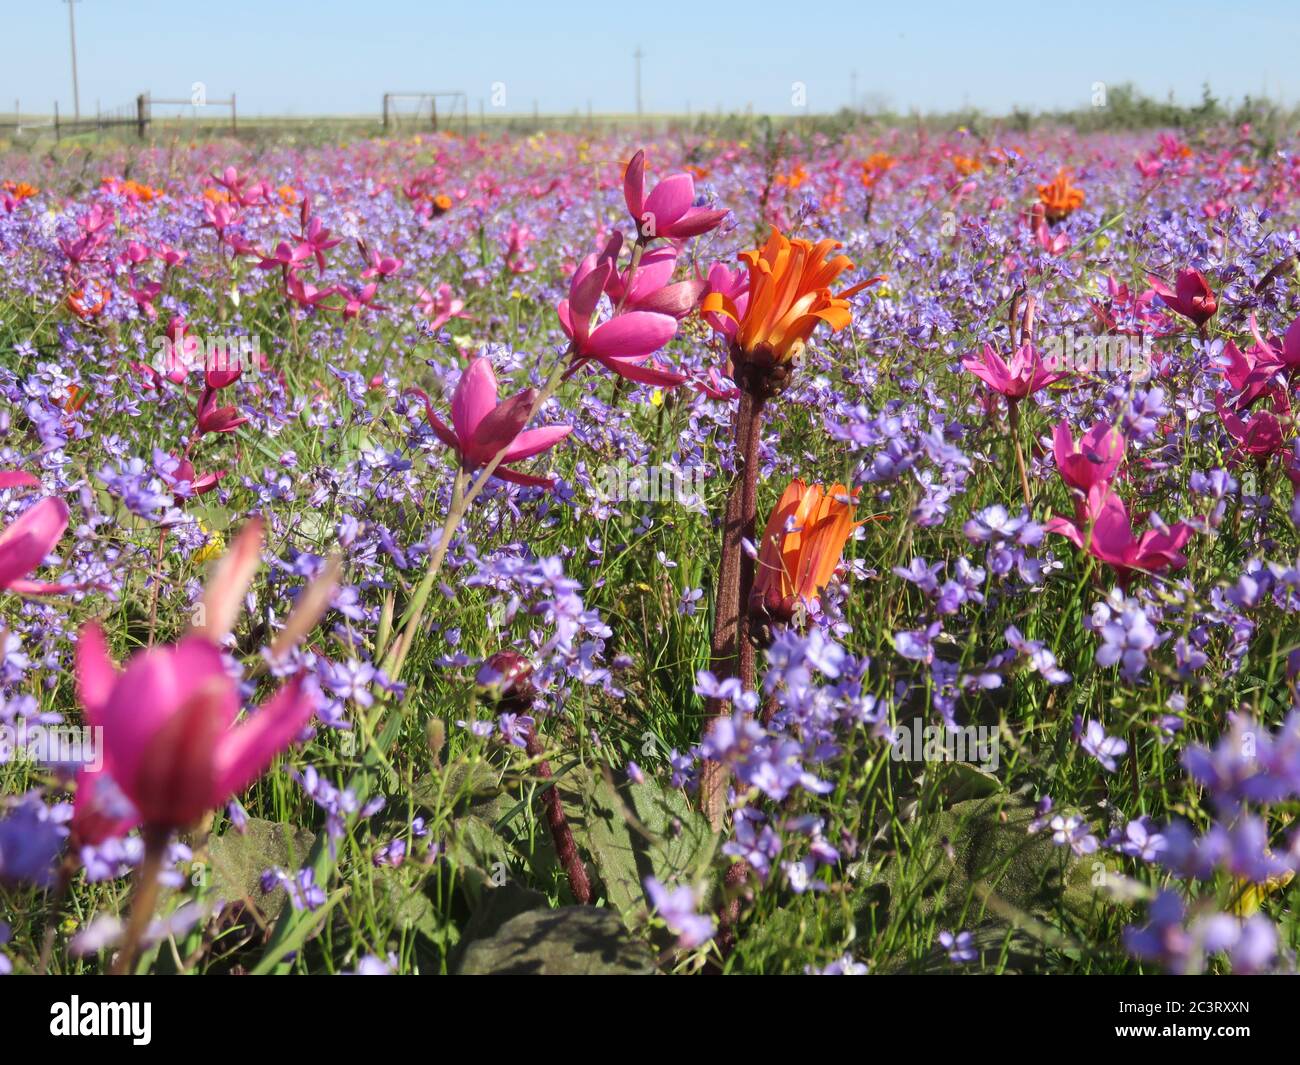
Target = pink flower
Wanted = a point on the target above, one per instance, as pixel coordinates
(213, 419)
(1248, 372)
(1023, 376)
(170, 742)
(1053, 245)
(144, 293)
(517, 261)
(439, 306)
(355, 301)
(31, 536)
(625, 341)
(733, 286)
(669, 210)
(239, 187)
(306, 294)
(1262, 360)
(1093, 461)
(650, 288)
(380, 266)
(481, 427)
(1191, 297)
(170, 256)
(1111, 538)
(1261, 435)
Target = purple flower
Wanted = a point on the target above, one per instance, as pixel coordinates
(30, 842)
(678, 908)
(960, 947)
(1106, 749)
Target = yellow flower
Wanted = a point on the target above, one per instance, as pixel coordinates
(214, 548)
(1251, 896)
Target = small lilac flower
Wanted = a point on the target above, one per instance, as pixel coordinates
(1106, 749)
(678, 908)
(960, 947)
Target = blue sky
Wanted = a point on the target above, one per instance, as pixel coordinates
(336, 57)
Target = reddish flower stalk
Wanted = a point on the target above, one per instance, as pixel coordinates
(768, 325)
(724, 649)
(561, 834)
(505, 681)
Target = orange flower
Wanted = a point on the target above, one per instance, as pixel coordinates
(875, 166)
(88, 299)
(789, 294)
(19, 190)
(441, 204)
(966, 165)
(802, 544)
(77, 397)
(136, 190)
(794, 179)
(1060, 197)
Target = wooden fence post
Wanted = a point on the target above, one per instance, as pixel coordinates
(234, 116)
(141, 115)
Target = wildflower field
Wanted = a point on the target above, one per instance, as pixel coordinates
(766, 553)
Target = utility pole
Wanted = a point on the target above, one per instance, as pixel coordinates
(72, 36)
(638, 55)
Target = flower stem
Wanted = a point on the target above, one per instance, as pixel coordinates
(724, 648)
(361, 781)
(748, 530)
(144, 899)
(1013, 418)
(565, 848)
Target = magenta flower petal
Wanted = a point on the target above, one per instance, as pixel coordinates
(525, 479)
(677, 300)
(535, 441)
(439, 427)
(634, 186)
(637, 333)
(643, 375)
(18, 479)
(151, 689)
(95, 672)
(694, 222)
(499, 427)
(246, 750)
(475, 396)
(174, 781)
(670, 199)
(29, 538)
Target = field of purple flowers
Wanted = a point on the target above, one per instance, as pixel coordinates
(771, 555)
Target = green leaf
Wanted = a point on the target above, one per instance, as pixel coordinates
(569, 941)
(239, 859)
(633, 831)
